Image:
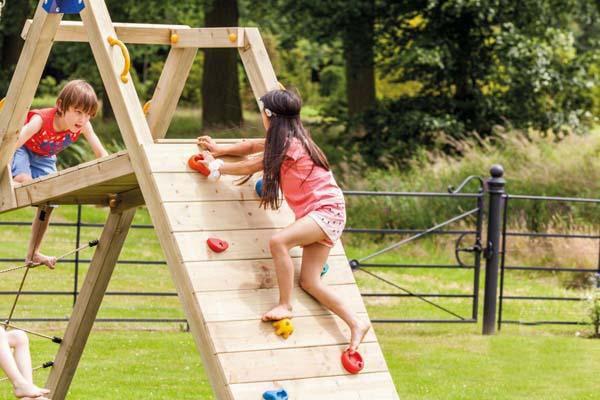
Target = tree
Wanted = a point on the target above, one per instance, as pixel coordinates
(221, 104)
(14, 15)
(352, 22)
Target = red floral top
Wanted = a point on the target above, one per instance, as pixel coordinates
(47, 142)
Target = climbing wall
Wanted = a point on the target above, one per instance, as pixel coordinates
(226, 293)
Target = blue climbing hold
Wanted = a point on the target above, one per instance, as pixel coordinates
(275, 395)
(325, 269)
(63, 6)
(258, 187)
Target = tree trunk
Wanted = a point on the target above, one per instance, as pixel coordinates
(221, 104)
(359, 56)
(107, 112)
(14, 16)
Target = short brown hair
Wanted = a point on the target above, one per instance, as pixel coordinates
(78, 94)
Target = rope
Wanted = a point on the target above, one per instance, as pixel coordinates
(30, 266)
(47, 364)
(55, 339)
(410, 293)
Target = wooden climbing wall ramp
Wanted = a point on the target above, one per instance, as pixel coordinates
(232, 289)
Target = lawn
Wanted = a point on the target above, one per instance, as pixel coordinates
(427, 361)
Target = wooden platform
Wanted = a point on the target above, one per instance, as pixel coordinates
(232, 289)
(88, 183)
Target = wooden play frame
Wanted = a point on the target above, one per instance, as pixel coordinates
(224, 294)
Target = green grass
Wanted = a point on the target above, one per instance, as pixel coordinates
(447, 361)
(427, 361)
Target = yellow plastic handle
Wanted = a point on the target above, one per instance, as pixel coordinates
(146, 107)
(2, 103)
(114, 41)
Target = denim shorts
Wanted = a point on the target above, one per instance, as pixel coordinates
(27, 162)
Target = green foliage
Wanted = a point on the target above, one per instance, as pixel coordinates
(536, 165)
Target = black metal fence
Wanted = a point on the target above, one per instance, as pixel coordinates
(492, 250)
(505, 268)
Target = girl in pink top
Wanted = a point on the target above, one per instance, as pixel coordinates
(293, 163)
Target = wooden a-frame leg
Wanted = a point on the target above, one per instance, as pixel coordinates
(168, 90)
(88, 302)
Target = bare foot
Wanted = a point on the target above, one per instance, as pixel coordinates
(278, 312)
(39, 258)
(357, 334)
(26, 390)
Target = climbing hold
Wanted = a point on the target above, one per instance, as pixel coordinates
(352, 361)
(283, 328)
(174, 38)
(195, 163)
(217, 245)
(325, 269)
(280, 394)
(258, 187)
(232, 37)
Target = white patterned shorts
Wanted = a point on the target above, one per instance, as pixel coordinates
(332, 219)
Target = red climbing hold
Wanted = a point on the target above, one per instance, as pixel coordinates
(217, 245)
(352, 361)
(195, 163)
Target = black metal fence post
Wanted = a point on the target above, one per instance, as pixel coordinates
(495, 187)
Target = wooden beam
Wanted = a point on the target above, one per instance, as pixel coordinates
(137, 136)
(258, 66)
(25, 80)
(168, 90)
(8, 200)
(81, 180)
(205, 38)
(73, 31)
(88, 302)
(124, 201)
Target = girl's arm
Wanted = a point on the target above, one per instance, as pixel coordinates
(246, 167)
(243, 148)
(92, 138)
(29, 129)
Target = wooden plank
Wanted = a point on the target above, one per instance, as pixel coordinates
(193, 141)
(364, 386)
(297, 363)
(205, 38)
(78, 180)
(88, 302)
(8, 200)
(244, 244)
(239, 305)
(191, 186)
(226, 215)
(168, 90)
(254, 335)
(174, 157)
(73, 31)
(137, 135)
(257, 64)
(25, 81)
(257, 274)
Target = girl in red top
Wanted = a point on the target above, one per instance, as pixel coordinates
(294, 164)
(46, 133)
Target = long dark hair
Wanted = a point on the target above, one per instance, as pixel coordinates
(285, 124)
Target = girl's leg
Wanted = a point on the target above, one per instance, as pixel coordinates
(302, 232)
(313, 258)
(19, 342)
(21, 386)
(38, 230)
